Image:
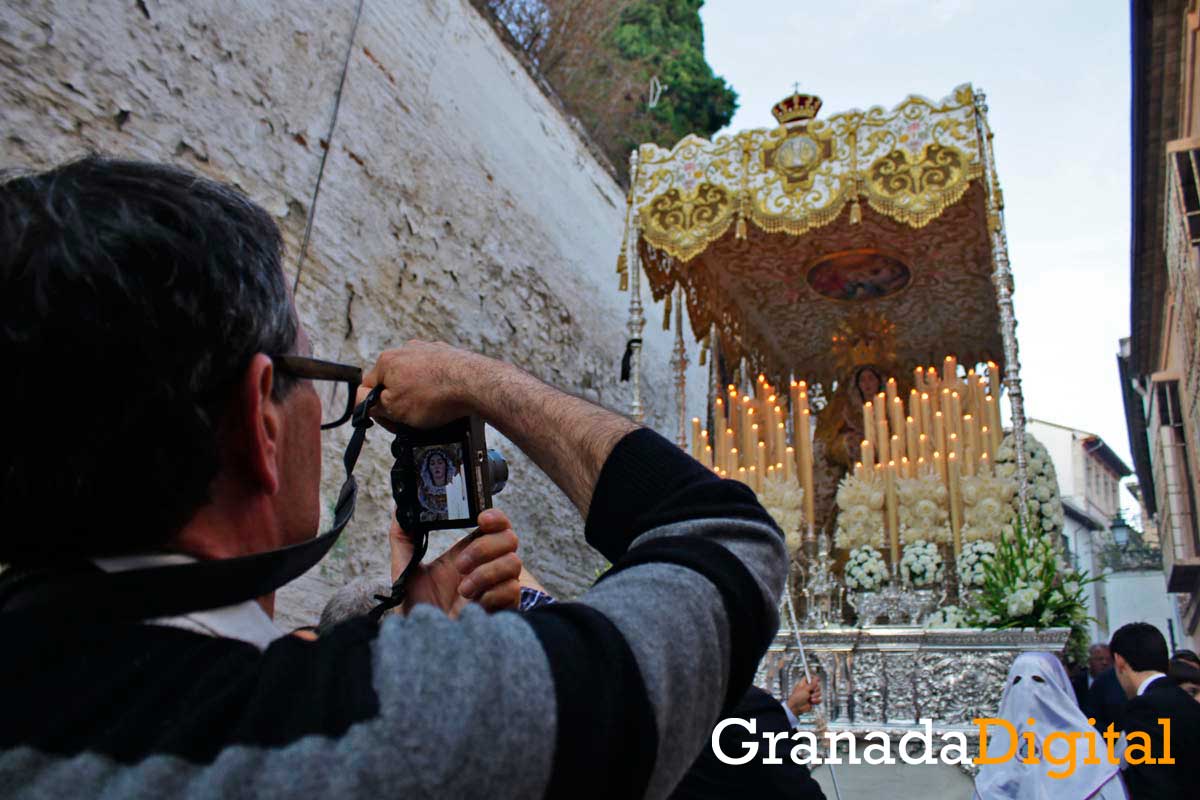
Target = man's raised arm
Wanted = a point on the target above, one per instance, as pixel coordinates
(642, 667)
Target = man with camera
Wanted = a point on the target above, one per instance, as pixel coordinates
(161, 472)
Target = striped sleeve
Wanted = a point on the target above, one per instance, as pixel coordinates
(670, 636)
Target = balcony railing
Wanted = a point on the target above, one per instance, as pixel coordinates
(1131, 557)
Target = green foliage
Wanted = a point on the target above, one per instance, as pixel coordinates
(666, 38)
(1026, 585)
(600, 57)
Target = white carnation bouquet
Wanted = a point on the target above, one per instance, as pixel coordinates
(921, 564)
(1044, 503)
(987, 507)
(860, 512)
(783, 499)
(865, 570)
(924, 509)
(973, 561)
(947, 617)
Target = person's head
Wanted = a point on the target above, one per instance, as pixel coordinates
(1187, 675)
(438, 468)
(1187, 656)
(1099, 659)
(868, 382)
(1137, 648)
(141, 305)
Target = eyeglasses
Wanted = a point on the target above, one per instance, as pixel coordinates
(336, 385)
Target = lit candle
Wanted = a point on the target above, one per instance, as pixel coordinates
(859, 470)
(950, 370)
(914, 407)
(804, 441)
(926, 414)
(994, 379)
(955, 508)
(734, 460)
(939, 467)
(868, 453)
(891, 509)
(924, 450)
(896, 446)
(906, 468)
(696, 445)
(708, 457)
(939, 432)
(882, 440)
(869, 421)
(911, 438)
(971, 447)
(985, 465)
(788, 462)
(956, 414)
(931, 380)
(780, 438)
(992, 406)
(919, 377)
(896, 420)
(985, 442)
(760, 461)
(890, 389)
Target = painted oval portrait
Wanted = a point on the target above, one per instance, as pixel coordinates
(858, 275)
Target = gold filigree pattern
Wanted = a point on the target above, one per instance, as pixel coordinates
(910, 164)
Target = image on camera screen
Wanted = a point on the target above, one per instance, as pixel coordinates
(441, 483)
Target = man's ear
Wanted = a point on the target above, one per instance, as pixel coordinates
(254, 440)
(1119, 663)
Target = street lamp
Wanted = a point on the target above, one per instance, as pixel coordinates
(1120, 530)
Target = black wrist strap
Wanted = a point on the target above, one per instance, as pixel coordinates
(86, 592)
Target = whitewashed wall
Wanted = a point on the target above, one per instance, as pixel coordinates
(457, 201)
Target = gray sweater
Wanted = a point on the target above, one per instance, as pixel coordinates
(611, 696)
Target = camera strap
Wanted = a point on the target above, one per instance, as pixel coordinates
(87, 592)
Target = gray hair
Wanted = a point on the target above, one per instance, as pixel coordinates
(355, 599)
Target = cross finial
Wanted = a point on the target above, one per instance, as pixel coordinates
(796, 87)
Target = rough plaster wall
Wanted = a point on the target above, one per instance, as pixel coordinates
(456, 203)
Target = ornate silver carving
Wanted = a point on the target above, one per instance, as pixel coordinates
(823, 591)
(889, 677)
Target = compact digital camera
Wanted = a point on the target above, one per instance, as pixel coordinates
(444, 477)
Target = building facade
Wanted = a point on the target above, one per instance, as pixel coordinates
(1160, 361)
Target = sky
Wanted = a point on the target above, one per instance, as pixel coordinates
(1056, 75)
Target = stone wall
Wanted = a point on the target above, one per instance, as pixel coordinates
(456, 201)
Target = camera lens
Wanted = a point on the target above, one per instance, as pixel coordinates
(499, 470)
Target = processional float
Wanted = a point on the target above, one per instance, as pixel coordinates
(848, 282)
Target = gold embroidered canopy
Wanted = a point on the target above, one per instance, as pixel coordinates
(789, 240)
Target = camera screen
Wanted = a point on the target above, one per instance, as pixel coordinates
(441, 482)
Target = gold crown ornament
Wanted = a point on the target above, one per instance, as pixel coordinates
(796, 108)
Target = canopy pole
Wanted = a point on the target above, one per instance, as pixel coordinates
(679, 364)
(1002, 279)
(637, 318)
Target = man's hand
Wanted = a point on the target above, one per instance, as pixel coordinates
(426, 383)
(804, 696)
(481, 568)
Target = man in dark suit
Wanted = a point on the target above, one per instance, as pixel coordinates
(1161, 722)
(709, 779)
(1099, 660)
(1105, 699)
